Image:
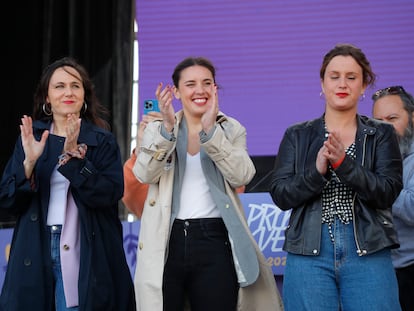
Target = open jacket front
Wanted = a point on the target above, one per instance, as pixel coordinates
(96, 184)
(375, 176)
(232, 167)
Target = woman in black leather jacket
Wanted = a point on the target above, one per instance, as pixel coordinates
(340, 175)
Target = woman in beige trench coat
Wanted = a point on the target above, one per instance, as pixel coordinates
(219, 142)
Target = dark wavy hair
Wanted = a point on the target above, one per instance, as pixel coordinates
(189, 62)
(95, 112)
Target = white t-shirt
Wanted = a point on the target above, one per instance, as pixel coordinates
(196, 200)
(59, 186)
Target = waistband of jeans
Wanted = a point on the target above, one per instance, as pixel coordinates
(55, 228)
(201, 223)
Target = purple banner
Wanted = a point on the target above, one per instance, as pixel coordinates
(268, 53)
(267, 223)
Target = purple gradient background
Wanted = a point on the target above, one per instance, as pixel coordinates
(268, 53)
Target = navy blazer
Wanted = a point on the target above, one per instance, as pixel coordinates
(96, 183)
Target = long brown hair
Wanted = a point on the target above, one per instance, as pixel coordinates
(92, 110)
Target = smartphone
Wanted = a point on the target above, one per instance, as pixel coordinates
(151, 105)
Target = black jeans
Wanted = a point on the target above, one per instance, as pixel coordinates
(405, 277)
(199, 267)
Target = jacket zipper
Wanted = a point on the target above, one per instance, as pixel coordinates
(359, 251)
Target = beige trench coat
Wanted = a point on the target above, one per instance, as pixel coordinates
(262, 295)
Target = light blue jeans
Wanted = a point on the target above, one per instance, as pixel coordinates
(60, 300)
(339, 279)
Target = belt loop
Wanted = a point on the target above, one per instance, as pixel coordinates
(55, 228)
(203, 224)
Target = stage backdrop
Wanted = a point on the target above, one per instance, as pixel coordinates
(268, 53)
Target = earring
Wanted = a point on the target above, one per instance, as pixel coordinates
(48, 113)
(85, 107)
(321, 94)
(362, 96)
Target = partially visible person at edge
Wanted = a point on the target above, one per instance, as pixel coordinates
(194, 160)
(394, 105)
(64, 181)
(339, 174)
(135, 192)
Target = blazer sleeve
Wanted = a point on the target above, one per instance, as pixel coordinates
(15, 189)
(227, 148)
(97, 180)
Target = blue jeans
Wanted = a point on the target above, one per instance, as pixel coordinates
(60, 301)
(339, 279)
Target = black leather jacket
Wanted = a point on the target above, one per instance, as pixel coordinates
(375, 176)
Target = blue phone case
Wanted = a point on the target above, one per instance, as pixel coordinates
(151, 105)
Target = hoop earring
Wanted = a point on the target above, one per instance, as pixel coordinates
(45, 111)
(85, 107)
(362, 97)
(321, 94)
